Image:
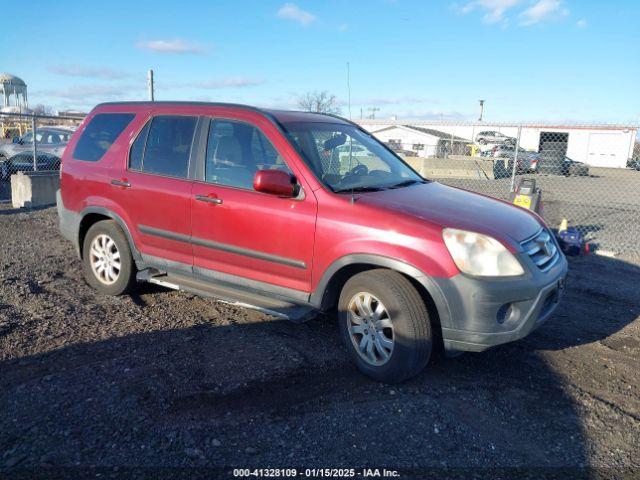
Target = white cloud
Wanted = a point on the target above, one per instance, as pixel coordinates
(229, 82)
(405, 100)
(213, 84)
(542, 10)
(289, 102)
(582, 23)
(498, 11)
(290, 11)
(87, 72)
(84, 97)
(442, 115)
(494, 10)
(175, 46)
(90, 94)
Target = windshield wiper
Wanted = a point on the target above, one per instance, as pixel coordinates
(406, 183)
(360, 189)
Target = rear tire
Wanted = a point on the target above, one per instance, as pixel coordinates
(389, 339)
(106, 259)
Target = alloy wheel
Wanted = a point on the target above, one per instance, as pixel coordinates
(105, 259)
(370, 328)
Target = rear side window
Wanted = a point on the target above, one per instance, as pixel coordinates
(137, 149)
(99, 135)
(163, 146)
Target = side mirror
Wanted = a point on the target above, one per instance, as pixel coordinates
(275, 182)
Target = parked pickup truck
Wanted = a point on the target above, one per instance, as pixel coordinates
(250, 206)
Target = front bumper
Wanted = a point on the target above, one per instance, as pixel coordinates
(488, 312)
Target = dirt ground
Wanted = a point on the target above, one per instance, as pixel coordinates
(164, 383)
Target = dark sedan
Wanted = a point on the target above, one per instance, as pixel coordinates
(18, 156)
(23, 162)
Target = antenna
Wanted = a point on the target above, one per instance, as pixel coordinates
(349, 89)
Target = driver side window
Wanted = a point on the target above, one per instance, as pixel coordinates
(236, 151)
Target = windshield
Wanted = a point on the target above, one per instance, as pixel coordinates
(345, 158)
(28, 137)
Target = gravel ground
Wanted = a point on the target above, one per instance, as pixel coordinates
(165, 383)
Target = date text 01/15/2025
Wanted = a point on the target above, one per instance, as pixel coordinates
(316, 473)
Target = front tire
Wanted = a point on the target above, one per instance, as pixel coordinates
(106, 259)
(385, 325)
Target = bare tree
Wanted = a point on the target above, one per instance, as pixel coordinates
(42, 109)
(321, 102)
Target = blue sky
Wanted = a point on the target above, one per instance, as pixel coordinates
(547, 60)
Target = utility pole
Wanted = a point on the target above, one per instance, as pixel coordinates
(373, 111)
(35, 143)
(481, 110)
(150, 85)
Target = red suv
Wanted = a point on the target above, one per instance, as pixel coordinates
(272, 209)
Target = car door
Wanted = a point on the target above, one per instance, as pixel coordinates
(155, 190)
(249, 236)
(26, 142)
(49, 146)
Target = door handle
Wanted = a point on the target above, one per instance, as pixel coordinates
(120, 183)
(208, 199)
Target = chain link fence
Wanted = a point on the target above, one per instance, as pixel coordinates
(587, 174)
(32, 143)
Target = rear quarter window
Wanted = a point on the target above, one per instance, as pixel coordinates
(99, 135)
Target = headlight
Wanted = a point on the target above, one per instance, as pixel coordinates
(480, 255)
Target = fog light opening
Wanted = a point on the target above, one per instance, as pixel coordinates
(504, 313)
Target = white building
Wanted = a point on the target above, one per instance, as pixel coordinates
(424, 142)
(595, 145)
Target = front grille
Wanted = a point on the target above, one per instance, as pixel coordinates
(542, 250)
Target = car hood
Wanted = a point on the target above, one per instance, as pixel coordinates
(456, 208)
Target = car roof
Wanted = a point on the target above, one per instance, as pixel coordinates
(54, 129)
(282, 116)
(287, 116)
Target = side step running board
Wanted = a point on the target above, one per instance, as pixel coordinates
(230, 294)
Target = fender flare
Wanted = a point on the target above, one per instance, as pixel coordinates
(135, 253)
(429, 284)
